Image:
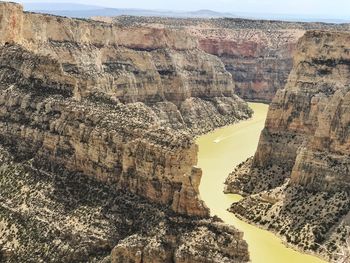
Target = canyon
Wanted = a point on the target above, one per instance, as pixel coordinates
(98, 155)
(98, 120)
(223, 149)
(258, 53)
(109, 101)
(297, 183)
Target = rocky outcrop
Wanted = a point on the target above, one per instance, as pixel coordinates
(124, 145)
(98, 122)
(59, 216)
(258, 53)
(105, 100)
(313, 222)
(162, 68)
(302, 164)
(205, 242)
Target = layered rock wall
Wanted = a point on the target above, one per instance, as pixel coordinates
(306, 130)
(258, 53)
(32, 28)
(108, 101)
(96, 142)
(323, 162)
(258, 59)
(161, 67)
(302, 164)
(314, 108)
(116, 143)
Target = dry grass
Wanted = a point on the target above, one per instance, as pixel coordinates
(344, 255)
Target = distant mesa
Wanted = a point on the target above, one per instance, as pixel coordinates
(87, 11)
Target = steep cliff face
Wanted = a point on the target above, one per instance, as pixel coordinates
(160, 67)
(323, 163)
(11, 17)
(259, 59)
(121, 144)
(258, 53)
(302, 163)
(100, 99)
(88, 106)
(59, 216)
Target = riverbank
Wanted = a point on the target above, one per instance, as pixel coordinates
(219, 153)
(281, 237)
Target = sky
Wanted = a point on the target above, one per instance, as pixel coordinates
(325, 8)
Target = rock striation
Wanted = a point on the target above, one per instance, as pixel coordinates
(258, 53)
(118, 144)
(84, 102)
(105, 100)
(302, 164)
(162, 68)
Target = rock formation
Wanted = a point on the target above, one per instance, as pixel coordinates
(101, 99)
(203, 242)
(299, 176)
(162, 68)
(119, 105)
(258, 53)
(59, 216)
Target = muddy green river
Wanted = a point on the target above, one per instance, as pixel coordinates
(219, 152)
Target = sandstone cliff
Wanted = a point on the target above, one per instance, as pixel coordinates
(101, 99)
(257, 53)
(302, 164)
(162, 68)
(119, 105)
(59, 216)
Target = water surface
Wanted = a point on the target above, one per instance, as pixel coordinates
(219, 152)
